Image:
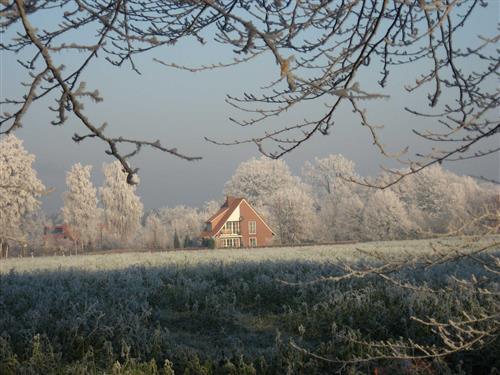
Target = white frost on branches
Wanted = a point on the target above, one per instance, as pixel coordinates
(435, 198)
(338, 200)
(385, 217)
(20, 189)
(155, 234)
(292, 214)
(257, 180)
(209, 208)
(80, 209)
(328, 175)
(123, 209)
(186, 221)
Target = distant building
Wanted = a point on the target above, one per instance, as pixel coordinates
(58, 235)
(237, 224)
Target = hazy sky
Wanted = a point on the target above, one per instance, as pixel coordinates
(180, 108)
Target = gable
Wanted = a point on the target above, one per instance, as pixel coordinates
(233, 204)
(257, 215)
(235, 215)
(232, 211)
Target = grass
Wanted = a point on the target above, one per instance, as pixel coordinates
(217, 311)
(114, 261)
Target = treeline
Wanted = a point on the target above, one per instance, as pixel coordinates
(324, 205)
(321, 205)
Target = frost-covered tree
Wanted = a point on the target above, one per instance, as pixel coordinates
(32, 226)
(278, 196)
(385, 217)
(483, 206)
(340, 216)
(329, 174)
(338, 201)
(123, 209)
(258, 179)
(209, 208)
(155, 234)
(183, 220)
(80, 209)
(20, 190)
(292, 215)
(435, 198)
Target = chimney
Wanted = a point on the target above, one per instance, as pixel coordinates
(229, 200)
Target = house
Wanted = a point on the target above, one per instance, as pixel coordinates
(237, 224)
(59, 235)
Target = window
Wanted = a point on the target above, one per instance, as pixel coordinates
(236, 227)
(232, 227)
(252, 227)
(253, 241)
(230, 242)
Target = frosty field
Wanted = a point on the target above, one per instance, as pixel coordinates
(299, 254)
(230, 311)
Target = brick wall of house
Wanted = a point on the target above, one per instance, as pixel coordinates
(264, 235)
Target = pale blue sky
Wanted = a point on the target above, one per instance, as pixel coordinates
(180, 108)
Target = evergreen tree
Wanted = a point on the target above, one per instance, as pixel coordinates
(187, 241)
(177, 242)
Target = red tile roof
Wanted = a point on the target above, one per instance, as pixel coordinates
(220, 217)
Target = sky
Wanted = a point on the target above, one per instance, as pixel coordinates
(181, 108)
